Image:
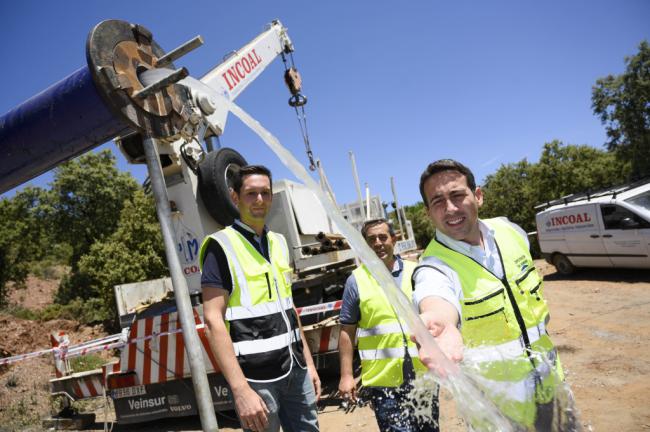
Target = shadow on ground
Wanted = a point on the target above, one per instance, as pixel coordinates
(602, 275)
(226, 419)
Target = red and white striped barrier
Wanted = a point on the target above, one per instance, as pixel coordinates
(63, 351)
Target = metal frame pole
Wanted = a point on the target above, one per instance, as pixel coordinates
(399, 216)
(368, 215)
(325, 184)
(181, 292)
(356, 183)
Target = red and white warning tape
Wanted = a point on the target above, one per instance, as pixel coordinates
(8, 360)
(116, 341)
(325, 307)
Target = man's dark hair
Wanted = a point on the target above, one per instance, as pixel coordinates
(372, 222)
(445, 165)
(238, 176)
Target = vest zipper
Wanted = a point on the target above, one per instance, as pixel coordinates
(290, 329)
(268, 283)
(515, 309)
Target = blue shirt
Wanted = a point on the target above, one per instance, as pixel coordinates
(216, 272)
(350, 309)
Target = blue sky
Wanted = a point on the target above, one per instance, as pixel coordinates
(399, 83)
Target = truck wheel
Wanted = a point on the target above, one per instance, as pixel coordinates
(562, 264)
(215, 180)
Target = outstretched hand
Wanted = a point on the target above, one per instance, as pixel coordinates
(447, 337)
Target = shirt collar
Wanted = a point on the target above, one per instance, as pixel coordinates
(398, 266)
(249, 229)
(464, 247)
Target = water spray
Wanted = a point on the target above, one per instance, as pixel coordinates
(473, 404)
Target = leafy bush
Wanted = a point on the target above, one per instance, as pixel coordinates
(90, 311)
(48, 269)
(21, 312)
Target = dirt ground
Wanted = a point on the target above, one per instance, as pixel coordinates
(600, 321)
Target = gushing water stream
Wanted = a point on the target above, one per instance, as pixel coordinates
(472, 404)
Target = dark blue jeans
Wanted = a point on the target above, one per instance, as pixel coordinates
(393, 415)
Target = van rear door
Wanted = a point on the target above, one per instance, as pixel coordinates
(581, 228)
(625, 236)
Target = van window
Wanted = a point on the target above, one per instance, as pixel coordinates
(617, 217)
(641, 200)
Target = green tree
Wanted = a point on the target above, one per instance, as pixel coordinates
(87, 196)
(24, 235)
(510, 192)
(133, 253)
(422, 227)
(567, 169)
(623, 104)
(515, 189)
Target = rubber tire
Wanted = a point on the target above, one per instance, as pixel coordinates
(562, 264)
(214, 187)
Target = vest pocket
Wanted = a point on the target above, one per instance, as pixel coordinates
(484, 319)
(530, 283)
(530, 287)
(484, 306)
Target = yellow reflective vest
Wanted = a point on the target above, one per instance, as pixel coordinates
(260, 316)
(503, 324)
(381, 335)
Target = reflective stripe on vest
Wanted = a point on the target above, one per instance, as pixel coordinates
(381, 339)
(383, 329)
(229, 250)
(506, 350)
(387, 353)
(264, 345)
(517, 368)
(245, 312)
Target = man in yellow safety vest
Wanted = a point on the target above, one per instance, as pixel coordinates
(481, 297)
(253, 328)
(388, 356)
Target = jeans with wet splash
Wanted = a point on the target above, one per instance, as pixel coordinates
(393, 412)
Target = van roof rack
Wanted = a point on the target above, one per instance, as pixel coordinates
(589, 195)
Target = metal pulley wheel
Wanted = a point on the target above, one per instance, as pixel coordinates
(293, 80)
(118, 54)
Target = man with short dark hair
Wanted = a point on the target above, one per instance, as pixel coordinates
(253, 328)
(388, 357)
(479, 293)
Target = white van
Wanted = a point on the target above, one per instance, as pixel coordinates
(609, 228)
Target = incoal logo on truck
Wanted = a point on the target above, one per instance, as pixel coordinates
(565, 221)
(569, 219)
